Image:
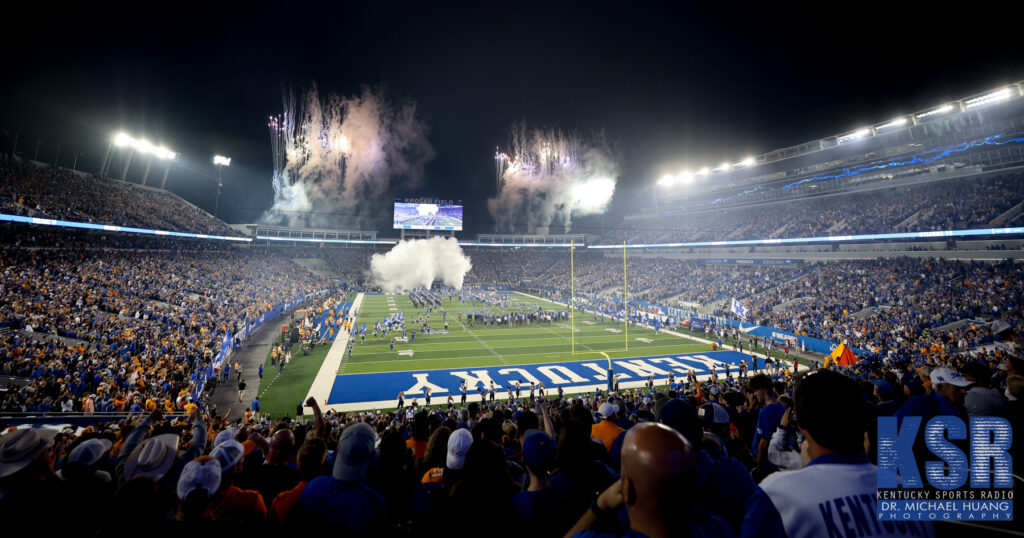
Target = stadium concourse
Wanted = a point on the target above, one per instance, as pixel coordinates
(108, 341)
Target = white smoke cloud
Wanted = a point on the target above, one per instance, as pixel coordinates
(550, 176)
(417, 264)
(338, 157)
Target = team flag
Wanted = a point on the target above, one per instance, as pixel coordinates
(842, 356)
(739, 309)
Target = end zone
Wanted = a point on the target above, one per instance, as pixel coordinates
(355, 392)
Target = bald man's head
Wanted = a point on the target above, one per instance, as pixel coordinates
(282, 445)
(659, 466)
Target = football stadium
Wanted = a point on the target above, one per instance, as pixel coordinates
(326, 332)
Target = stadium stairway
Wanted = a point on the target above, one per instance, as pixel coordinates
(837, 227)
(779, 232)
(865, 312)
(318, 266)
(738, 233)
(958, 324)
(909, 221)
(784, 305)
(1009, 215)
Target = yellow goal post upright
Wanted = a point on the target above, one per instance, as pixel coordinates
(573, 306)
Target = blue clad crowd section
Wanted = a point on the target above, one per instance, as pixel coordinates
(356, 388)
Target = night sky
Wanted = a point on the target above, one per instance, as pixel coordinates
(676, 85)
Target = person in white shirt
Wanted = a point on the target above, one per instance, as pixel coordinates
(834, 493)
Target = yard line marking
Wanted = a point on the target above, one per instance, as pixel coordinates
(489, 348)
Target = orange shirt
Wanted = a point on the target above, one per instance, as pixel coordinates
(434, 475)
(236, 504)
(282, 504)
(419, 448)
(606, 431)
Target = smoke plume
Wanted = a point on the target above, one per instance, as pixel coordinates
(550, 176)
(338, 157)
(417, 264)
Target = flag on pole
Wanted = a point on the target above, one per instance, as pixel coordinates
(739, 309)
(842, 356)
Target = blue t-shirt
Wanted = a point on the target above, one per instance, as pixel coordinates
(536, 506)
(767, 420)
(352, 506)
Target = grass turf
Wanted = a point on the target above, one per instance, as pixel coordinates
(280, 392)
(467, 347)
(481, 345)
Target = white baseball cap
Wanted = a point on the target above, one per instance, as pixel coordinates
(228, 454)
(199, 474)
(948, 375)
(225, 436)
(606, 410)
(458, 446)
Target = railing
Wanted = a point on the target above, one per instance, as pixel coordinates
(77, 418)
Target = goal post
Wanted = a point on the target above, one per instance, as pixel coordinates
(596, 326)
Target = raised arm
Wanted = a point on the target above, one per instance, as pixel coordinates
(198, 445)
(319, 425)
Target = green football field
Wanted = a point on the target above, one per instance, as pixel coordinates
(465, 346)
(480, 345)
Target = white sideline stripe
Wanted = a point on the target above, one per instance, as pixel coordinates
(324, 380)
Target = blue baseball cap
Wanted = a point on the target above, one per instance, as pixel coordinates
(885, 388)
(538, 451)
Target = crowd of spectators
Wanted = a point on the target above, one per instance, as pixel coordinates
(352, 262)
(113, 330)
(896, 306)
(20, 236)
(58, 193)
(951, 205)
(701, 459)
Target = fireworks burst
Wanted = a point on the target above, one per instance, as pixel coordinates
(548, 177)
(336, 158)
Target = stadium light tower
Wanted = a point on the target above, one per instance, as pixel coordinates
(144, 147)
(221, 162)
(122, 140)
